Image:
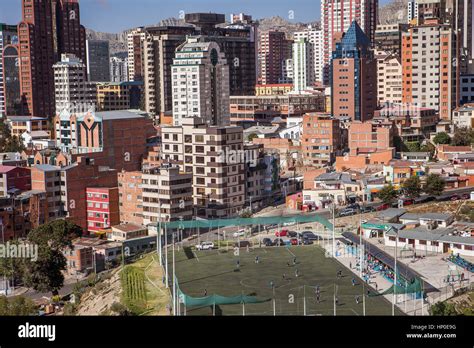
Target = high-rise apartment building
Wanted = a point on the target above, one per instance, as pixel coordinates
(215, 157)
(336, 18)
(71, 88)
(98, 60)
(8, 36)
(47, 30)
(151, 51)
(388, 37)
(118, 69)
(389, 78)
(314, 37)
(200, 83)
(273, 50)
(157, 51)
(303, 73)
(135, 54)
(354, 76)
(430, 75)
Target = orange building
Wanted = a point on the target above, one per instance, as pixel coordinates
(430, 78)
(130, 197)
(369, 137)
(321, 139)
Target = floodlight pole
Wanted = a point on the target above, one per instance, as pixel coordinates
(174, 282)
(395, 275)
(159, 236)
(361, 249)
(304, 300)
(166, 256)
(334, 227)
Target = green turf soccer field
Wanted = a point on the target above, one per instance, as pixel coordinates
(216, 272)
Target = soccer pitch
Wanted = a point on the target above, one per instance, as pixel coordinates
(216, 272)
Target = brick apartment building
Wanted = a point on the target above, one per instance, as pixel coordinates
(130, 197)
(22, 213)
(116, 139)
(74, 181)
(14, 180)
(370, 137)
(102, 208)
(321, 139)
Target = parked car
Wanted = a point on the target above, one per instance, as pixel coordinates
(309, 235)
(294, 241)
(239, 233)
(292, 234)
(282, 233)
(454, 197)
(278, 242)
(443, 198)
(408, 201)
(307, 241)
(267, 242)
(465, 196)
(355, 206)
(367, 209)
(347, 212)
(383, 207)
(205, 246)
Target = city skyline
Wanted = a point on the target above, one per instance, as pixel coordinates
(116, 16)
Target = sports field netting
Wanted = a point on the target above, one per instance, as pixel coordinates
(255, 221)
(213, 284)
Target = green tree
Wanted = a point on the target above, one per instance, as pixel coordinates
(252, 136)
(388, 193)
(442, 138)
(17, 306)
(463, 136)
(434, 185)
(45, 274)
(443, 309)
(413, 146)
(428, 148)
(412, 187)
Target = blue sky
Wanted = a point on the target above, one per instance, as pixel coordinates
(117, 15)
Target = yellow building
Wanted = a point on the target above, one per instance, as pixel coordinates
(273, 89)
(119, 95)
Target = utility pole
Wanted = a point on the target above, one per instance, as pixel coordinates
(160, 255)
(333, 226)
(166, 256)
(174, 282)
(395, 275)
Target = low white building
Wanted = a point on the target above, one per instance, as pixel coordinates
(425, 239)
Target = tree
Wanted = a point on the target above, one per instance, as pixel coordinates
(434, 185)
(412, 187)
(13, 144)
(17, 306)
(252, 136)
(428, 148)
(388, 193)
(413, 146)
(463, 137)
(45, 274)
(443, 309)
(442, 138)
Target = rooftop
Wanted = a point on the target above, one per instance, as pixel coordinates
(129, 227)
